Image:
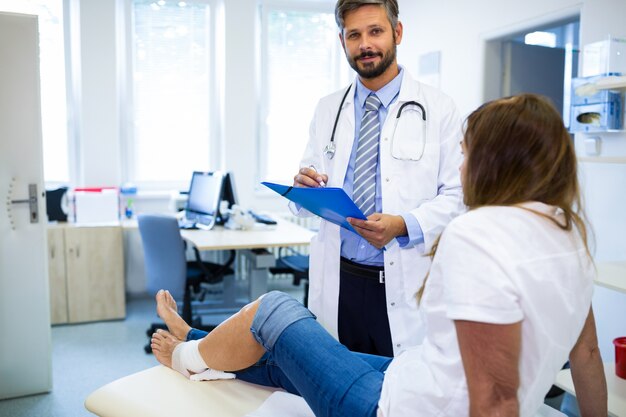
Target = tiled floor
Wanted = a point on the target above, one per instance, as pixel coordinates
(88, 356)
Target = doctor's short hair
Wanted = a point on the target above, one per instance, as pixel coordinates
(344, 6)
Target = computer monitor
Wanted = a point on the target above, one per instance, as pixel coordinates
(204, 198)
(227, 194)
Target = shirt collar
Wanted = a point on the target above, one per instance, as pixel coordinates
(385, 94)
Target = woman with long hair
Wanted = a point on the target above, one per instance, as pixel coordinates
(506, 303)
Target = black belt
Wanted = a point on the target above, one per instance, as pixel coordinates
(364, 271)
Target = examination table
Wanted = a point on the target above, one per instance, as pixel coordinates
(162, 392)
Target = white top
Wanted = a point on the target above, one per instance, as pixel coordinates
(498, 265)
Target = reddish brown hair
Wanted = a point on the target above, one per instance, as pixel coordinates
(518, 150)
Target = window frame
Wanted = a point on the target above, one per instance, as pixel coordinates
(216, 57)
(265, 8)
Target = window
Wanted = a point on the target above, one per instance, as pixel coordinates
(172, 84)
(52, 75)
(302, 60)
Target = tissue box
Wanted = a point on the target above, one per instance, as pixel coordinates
(594, 110)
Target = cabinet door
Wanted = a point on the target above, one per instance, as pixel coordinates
(95, 273)
(56, 271)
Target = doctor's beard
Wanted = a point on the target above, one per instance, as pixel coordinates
(371, 70)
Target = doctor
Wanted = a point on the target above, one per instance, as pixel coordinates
(393, 145)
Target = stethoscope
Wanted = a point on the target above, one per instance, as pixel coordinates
(331, 148)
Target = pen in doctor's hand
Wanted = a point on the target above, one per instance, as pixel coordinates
(322, 183)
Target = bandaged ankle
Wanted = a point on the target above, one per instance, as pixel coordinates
(186, 358)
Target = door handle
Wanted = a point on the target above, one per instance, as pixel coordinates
(31, 201)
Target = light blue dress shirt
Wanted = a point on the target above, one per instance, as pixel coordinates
(353, 246)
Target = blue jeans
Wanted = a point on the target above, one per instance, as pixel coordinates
(304, 359)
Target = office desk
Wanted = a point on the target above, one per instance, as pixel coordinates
(285, 233)
(251, 244)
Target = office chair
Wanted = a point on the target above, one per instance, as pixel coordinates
(167, 267)
(295, 264)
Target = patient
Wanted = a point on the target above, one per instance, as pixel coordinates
(507, 300)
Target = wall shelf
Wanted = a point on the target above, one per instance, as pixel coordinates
(603, 159)
(611, 83)
(612, 275)
(616, 388)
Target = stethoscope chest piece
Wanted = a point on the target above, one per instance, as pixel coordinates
(329, 150)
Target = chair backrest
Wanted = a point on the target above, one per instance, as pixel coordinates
(164, 254)
(547, 411)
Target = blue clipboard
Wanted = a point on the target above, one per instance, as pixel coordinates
(330, 203)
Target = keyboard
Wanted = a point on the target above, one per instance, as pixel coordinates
(193, 220)
(261, 218)
(187, 224)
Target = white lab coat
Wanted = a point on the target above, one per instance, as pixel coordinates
(429, 189)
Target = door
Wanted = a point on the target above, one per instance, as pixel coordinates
(534, 69)
(25, 359)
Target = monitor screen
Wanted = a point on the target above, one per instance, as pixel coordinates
(228, 190)
(204, 192)
(227, 194)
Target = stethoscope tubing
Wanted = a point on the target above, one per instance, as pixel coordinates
(412, 103)
(343, 100)
(329, 150)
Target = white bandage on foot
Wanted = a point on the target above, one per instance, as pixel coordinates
(186, 358)
(212, 375)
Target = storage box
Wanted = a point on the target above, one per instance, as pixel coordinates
(99, 205)
(604, 57)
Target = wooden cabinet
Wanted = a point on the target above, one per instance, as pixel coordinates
(86, 267)
(56, 273)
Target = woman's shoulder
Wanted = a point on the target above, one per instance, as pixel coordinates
(497, 222)
(480, 216)
(505, 214)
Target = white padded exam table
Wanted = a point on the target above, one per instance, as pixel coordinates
(162, 392)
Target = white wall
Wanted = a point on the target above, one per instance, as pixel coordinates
(461, 35)
(241, 102)
(461, 38)
(98, 116)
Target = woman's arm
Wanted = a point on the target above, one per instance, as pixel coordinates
(588, 372)
(490, 354)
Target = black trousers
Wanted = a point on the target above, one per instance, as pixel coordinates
(363, 324)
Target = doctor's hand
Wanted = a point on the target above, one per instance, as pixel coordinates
(379, 228)
(309, 177)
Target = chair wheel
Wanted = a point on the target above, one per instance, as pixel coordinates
(154, 327)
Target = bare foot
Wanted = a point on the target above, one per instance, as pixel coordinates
(163, 344)
(167, 310)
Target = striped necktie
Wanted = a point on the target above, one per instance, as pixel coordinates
(364, 193)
